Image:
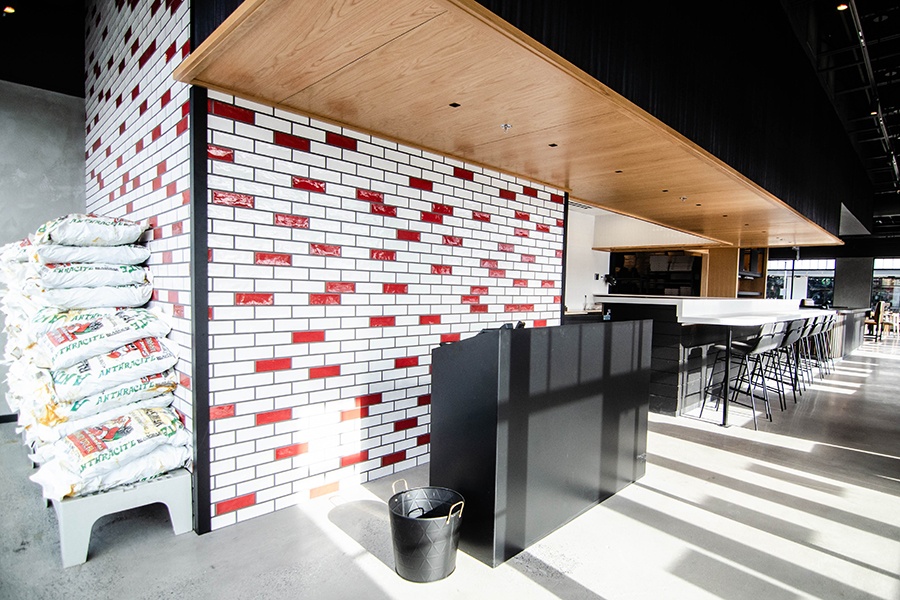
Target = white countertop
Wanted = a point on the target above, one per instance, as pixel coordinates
(721, 311)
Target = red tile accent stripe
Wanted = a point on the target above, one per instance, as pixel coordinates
(274, 416)
(471, 300)
(232, 199)
(488, 263)
(520, 283)
(353, 459)
(452, 240)
(269, 258)
(479, 289)
(559, 254)
(463, 174)
(382, 254)
(548, 283)
(523, 215)
(481, 216)
(291, 141)
(408, 236)
(404, 424)
(506, 247)
(275, 364)
(442, 209)
(324, 299)
(369, 400)
(448, 338)
(560, 223)
(529, 191)
(229, 111)
(394, 288)
(377, 208)
(290, 451)
(543, 228)
(382, 321)
(305, 183)
(148, 53)
(508, 195)
(520, 232)
(369, 195)
(221, 412)
(324, 250)
(540, 323)
(390, 459)
(432, 218)
(227, 506)
(478, 308)
(424, 400)
(423, 439)
(518, 308)
(254, 299)
(341, 141)
(496, 273)
(441, 270)
(292, 221)
(307, 337)
(323, 372)
(340, 287)
(557, 198)
(420, 184)
(408, 361)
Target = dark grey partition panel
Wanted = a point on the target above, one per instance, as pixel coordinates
(535, 426)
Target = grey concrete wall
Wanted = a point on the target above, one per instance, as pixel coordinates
(41, 165)
(853, 282)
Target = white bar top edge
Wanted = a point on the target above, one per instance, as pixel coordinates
(718, 310)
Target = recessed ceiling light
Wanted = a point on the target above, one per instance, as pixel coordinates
(664, 191)
(505, 126)
(698, 204)
(724, 215)
(8, 10)
(455, 104)
(842, 6)
(618, 170)
(552, 145)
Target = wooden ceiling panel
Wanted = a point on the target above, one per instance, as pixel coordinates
(393, 68)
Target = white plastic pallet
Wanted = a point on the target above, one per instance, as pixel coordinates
(76, 516)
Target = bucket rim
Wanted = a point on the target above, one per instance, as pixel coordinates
(447, 517)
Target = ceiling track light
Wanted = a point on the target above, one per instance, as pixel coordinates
(8, 10)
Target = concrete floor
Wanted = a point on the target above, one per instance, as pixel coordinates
(807, 507)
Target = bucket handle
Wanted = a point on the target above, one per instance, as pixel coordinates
(419, 508)
(461, 504)
(394, 486)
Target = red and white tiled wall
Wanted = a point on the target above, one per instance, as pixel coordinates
(137, 143)
(337, 262)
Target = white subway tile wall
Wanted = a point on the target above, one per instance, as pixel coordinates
(337, 262)
(137, 154)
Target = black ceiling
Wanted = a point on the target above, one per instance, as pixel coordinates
(856, 54)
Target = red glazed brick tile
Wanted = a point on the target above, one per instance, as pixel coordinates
(181, 127)
(270, 258)
(543, 228)
(247, 299)
(227, 506)
(520, 283)
(369, 195)
(447, 338)
(487, 263)
(219, 153)
(441, 270)
(229, 111)
(557, 299)
(167, 257)
(470, 300)
(295, 221)
(369, 400)
(324, 250)
(442, 209)
(497, 273)
(356, 413)
(481, 216)
(540, 323)
(423, 439)
(423, 400)
(453, 240)
(377, 208)
(275, 364)
(408, 236)
(518, 307)
(394, 288)
(529, 191)
(147, 55)
(173, 296)
(341, 141)
(465, 174)
(560, 223)
(420, 184)
(524, 216)
(395, 457)
(135, 92)
(324, 490)
(382, 254)
(340, 287)
(559, 254)
(478, 308)
(291, 451)
(172, 189)
(274, 416)
(404, 424)
(307, 337)
(520, 232)
(528, 258)
(291, 141)
(305, 183)
(382, 321)
(507, 195)
(506, 247)
(324, 299)
(432, 218)
(178, 311)
(323, 372)
(353, 459)
(177, 228)
(548, 283)
(170, 52)
(557, 198)
(479, 290)
(221, 412)
(233, 199)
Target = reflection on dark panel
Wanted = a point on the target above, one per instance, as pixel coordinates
(535, 426)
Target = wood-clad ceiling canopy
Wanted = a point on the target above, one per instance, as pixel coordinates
(394, 69)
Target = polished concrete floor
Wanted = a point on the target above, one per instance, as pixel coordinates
(807, 507)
